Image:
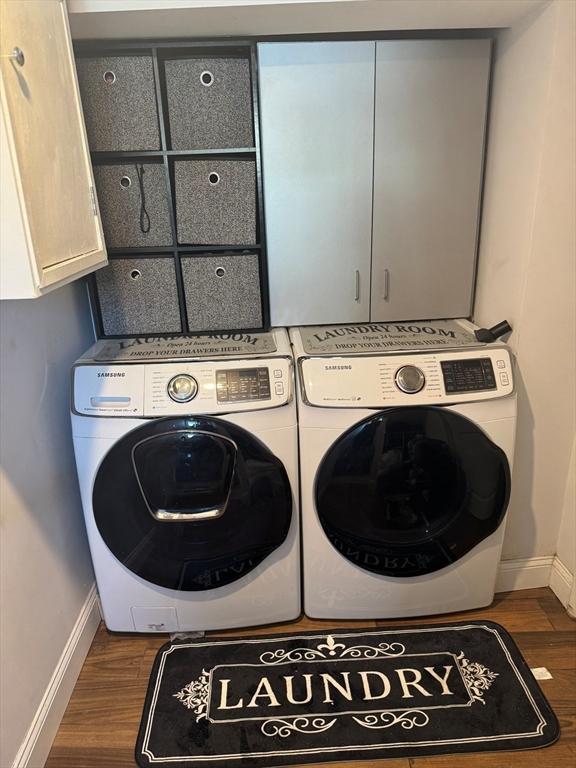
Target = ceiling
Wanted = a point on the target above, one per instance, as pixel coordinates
(221, 18)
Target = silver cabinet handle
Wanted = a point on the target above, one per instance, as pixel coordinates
(386, 285)
(357, 286)
(17, 55)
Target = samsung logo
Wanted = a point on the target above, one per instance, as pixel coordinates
(109, 375)
(337, 367)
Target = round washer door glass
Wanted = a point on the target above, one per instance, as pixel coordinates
(191, 503)
(411, 490)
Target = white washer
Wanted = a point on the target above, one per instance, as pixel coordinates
(406, 448)
(187, 459)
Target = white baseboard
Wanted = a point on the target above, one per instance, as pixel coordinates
(561, 581)
(524, 574)
(36, 746)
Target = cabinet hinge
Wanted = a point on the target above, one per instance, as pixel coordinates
(93, 198)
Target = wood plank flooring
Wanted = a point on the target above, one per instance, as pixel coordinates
(101, 722)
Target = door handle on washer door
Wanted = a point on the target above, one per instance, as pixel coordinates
(156, 500)
(357, 286)
(165, 515)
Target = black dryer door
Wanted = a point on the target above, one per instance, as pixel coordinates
(191, 503)
(411, 490)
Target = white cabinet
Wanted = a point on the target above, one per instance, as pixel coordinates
(372, 162)
(317, 118)
(431, 99)
(50, 228)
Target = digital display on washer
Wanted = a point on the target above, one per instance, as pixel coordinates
(233, 386)
(468, 375)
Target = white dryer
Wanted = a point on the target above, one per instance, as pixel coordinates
(187, 459)
(406, 447)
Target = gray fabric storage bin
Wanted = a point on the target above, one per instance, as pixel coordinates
(119, 102)
(209, 103)
(222, 292)
(215, 202)
(120, 200)
(121, 205)
(139, 296)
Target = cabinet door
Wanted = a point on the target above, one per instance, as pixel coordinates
(431, 99)
(317, 114)
(47, 144)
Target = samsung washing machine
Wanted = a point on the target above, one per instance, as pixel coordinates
(406, 447)
(187, 459)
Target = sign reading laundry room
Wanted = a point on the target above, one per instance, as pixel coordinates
(294, 699)
(153, 348)
(387, 337)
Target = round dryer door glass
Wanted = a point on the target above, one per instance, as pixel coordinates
(411, 490)
(191, 503)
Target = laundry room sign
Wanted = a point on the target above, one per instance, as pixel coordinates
(289, 699)
(184, 347)
(387, 337)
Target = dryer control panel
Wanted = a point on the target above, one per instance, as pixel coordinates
(407, 379)
(182, 388)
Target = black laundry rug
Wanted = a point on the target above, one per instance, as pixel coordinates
(311, 697)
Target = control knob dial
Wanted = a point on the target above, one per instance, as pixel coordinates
(409, 379)
(182, 388)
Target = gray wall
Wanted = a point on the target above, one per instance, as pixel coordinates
(45, 568)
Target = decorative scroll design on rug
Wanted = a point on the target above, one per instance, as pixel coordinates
(284, 728)
(195, 695)
(332, 649)
(408, 720)
(477, 677)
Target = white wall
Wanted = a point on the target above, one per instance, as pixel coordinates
(526, 265)
(45, 568)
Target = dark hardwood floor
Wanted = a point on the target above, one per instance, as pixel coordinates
(101, 722)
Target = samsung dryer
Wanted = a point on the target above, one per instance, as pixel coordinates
(186, 451)
(406, 448)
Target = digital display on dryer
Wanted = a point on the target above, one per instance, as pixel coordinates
(241, 384)
(468, 375)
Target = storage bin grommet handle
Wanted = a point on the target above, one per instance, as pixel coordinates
(207, 78)
(214, 178)
(109, 77)
(219, 271)
(125, 182)
(135, 274)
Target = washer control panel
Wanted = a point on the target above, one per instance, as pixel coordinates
(407, 379)
(242, 384)
(473, 375)
(182, 388)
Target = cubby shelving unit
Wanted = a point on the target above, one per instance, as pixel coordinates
(216, 298)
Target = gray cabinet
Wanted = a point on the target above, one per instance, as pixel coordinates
(317, 119)
(431, 99)
(372, 160)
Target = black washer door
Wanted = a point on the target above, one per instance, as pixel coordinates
(411, 490)
(191, 503)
